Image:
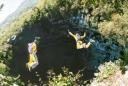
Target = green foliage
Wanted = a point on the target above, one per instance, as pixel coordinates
(116, 28)
(104, 13)
(64, 79)
(125, 56)
(3, 69)
(105, 70)
(123, 62)
(98, 10)
(62, 9)
(6, 56)
(28, 17)
(10, 81)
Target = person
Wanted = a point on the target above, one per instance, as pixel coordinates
(79, 42)
(33, 60)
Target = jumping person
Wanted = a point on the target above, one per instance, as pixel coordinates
(33, 60)
(79, 42)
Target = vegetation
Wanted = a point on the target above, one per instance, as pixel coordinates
(116, 29)
(17, 26)
(3, 68)
(125, 56)
(9, 80)
(107, 17)
(123, 62)
(106, 70)
(66, 78)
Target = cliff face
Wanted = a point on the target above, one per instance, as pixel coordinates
(118, 79)
(56, 48)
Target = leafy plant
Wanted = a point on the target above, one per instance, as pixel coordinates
(64, 79)
(9, 80)
(105, 70)
(123, 62)
(3, 68)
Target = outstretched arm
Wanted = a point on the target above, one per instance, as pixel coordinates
(83, 35)
(71, 34)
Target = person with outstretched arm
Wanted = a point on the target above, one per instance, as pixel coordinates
(79, 42)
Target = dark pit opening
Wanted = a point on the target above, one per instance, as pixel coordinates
(55, 50)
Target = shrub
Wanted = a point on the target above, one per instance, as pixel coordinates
(3, 68)
(64, 79)
(105, 70)
(125, 56)
(117, 28)
(123, 62)
(10, 81)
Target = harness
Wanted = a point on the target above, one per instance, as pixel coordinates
(33, 60)
(32, 48)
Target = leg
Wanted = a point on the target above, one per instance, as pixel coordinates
(36, 58)
(31, 60)
(28, 66)
(34, 61)
(86, 45)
